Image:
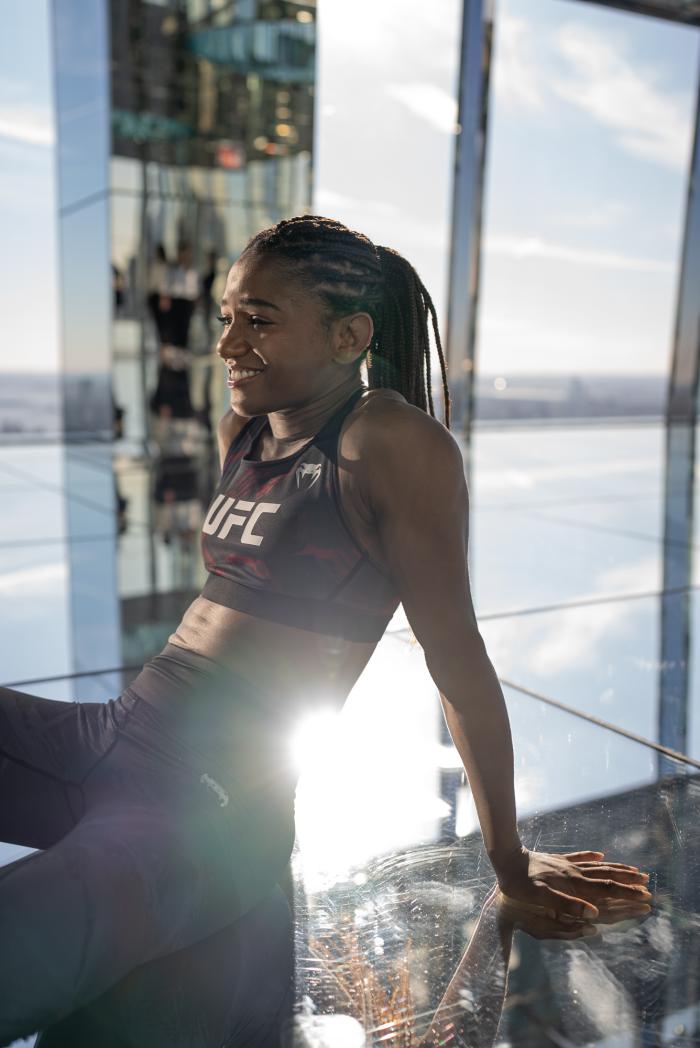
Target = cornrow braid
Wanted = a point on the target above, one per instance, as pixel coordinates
(350, 274)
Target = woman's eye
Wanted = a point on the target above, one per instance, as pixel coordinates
(252, 320)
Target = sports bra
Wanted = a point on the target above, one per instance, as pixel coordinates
(276, 545)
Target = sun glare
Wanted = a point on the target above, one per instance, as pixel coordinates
(315, 740)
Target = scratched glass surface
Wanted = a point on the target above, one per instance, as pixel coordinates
(398, 934)
(390, 878)
(393, 926)
(384, 932)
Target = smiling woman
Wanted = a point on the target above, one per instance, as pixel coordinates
(168, 813)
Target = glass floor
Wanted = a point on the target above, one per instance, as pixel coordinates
(397, 936)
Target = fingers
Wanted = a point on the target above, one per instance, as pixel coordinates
(623, 891)
(605, 890)
(541, 922)
(600, 877)
(574, 907)
(608, 865)
(608, 868)
(584, 860)
(615, 913)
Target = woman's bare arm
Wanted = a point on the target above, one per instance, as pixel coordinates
(414, 482)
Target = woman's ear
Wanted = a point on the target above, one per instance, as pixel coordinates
(353, 337)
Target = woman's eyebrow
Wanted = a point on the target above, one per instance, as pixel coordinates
(247, 300)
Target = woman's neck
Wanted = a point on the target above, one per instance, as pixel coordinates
(291, 425)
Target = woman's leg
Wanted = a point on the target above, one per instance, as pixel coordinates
(133, 881)
(235, 987)
(40, 766)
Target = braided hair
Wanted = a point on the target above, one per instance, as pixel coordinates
(350, 274)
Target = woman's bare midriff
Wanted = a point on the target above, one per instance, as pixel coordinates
(296, 664)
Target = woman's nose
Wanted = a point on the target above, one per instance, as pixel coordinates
(229, 341)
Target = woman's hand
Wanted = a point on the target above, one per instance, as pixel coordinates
(539, 926)
(577, 885)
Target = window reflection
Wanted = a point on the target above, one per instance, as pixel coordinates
(594, 108)
(212, 127)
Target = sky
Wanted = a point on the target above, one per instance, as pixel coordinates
(28, 289)
(590, 128)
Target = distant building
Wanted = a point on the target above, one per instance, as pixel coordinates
(537, 397)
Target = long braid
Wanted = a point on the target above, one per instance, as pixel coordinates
(349, 274)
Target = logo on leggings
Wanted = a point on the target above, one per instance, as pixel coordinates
(215, 788)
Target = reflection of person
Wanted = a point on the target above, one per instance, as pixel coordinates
(117, 287)
(471, 1007)
(180, 296)
(118, 432)
(208, 279)
(156, 288)
(171, 397)
(176, 488)
(169, 811)
(179, 291)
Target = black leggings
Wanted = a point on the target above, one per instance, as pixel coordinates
(166, 815)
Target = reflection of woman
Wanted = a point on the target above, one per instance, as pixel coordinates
(471, 1007)
(181, 295)
(177, 478)
(169, 811)
(157, 279)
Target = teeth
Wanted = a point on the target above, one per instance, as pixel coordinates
(237, 373)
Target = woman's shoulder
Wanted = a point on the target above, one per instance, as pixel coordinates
(376, 404)
(385, 417)
(379, 407)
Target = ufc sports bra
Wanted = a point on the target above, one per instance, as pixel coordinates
(276, 545)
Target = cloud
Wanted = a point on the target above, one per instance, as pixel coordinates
(31, 125)
(41, 579)
(623, 96)
(329, 199)
(429, 102)
(379, 220)
(535, 247)
(574, 641)
(603, 215)
(616, 91)
(546, 645)
(428, 39)
(516, 71)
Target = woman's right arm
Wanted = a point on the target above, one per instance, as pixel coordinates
(228, 426)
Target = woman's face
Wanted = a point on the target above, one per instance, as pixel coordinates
(272, 328)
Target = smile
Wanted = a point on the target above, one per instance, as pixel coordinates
(237, 376)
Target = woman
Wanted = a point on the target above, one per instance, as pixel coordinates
(168, 811)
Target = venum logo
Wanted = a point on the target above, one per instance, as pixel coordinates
(308, 471)
(220, 520)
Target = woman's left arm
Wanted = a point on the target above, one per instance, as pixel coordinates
(418, 495)
(416, 489)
